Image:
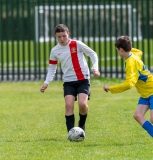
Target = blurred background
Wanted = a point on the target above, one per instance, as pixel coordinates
(27, 33)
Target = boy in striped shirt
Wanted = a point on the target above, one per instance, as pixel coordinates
(76, 75)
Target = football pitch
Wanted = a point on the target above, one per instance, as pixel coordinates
(32, 124)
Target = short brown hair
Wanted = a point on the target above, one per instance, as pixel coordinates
(124, 42)
(61, 28)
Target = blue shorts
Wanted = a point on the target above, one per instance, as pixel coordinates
(75, 87)
(147, 101)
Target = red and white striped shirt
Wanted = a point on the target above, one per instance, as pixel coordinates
(73, 63)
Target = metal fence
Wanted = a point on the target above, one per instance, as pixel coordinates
(27, 33)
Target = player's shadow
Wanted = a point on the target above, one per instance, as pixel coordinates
(36, 140)
(49, 139)
(80, 143)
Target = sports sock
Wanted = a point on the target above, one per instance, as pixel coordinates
(82, 120)
(148, 127)
(70, 120)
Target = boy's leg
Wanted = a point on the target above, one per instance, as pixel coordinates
(69, 96)
(69, 114)
(83, 91)
(70, 120)
(151, 108)
(140, 112)
(148, 127)
(142, 108)
(83, 109)
(82, 121)
(151, 116)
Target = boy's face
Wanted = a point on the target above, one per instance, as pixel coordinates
(62, 37)
(120, 52)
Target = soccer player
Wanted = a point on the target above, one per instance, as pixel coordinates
(76, 75)
(137, 75)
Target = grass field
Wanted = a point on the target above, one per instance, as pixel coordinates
(32, 125)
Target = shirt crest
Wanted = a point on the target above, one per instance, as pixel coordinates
(73, 50)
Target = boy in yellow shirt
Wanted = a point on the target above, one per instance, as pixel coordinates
(137, 75)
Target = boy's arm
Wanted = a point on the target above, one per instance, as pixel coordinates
(93, 56)
(51, 72)
(90, 53)
(131, 79)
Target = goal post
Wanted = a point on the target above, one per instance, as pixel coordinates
(88, 22)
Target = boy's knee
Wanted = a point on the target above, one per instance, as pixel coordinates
(82, 104)
(137, 116)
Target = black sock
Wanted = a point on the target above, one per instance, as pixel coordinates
(70, 122)
(82, 120)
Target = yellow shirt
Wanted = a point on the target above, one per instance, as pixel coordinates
(137, 75)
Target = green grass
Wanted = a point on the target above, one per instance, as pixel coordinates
(32, 125)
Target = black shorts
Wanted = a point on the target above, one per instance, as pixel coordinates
(76, 87)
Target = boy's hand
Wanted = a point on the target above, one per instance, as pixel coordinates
(96, 73)
(43, 87)
(106, 88)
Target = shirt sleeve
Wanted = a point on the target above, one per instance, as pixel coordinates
(132, 75)
(90, 53)
(51, 68)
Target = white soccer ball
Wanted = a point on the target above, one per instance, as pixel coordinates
(76, 134)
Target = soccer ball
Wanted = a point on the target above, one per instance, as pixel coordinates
(76, 134)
